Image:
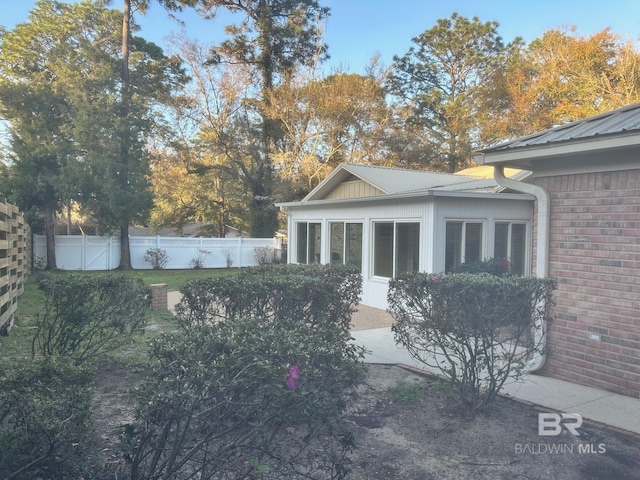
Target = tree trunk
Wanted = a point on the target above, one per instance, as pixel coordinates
(125, 250)
(50, 235)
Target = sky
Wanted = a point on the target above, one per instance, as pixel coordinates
(359, 29)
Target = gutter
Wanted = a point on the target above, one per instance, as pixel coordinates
(542, 253)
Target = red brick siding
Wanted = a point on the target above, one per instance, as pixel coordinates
(594, 254)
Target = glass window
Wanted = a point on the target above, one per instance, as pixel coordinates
(407, 247)
(511, 243)
(308, 250)
(383, 249)
(336, 243)
(301, 254)
(345, 243)
(396, 248)
(463, 244)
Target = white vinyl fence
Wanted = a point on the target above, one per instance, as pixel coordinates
(84, 252)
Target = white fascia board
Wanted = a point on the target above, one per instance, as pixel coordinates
(414, 195)
(519, 156)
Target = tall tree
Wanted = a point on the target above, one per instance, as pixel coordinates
(440, 81)
(274, 38)
(115, 187)
(561, 77)
(69, 68)
(339, 118)
(33, 69)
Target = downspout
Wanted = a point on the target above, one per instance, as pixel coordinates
(542, 253)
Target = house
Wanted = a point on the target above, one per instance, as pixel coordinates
(586, 181)
(387, 221)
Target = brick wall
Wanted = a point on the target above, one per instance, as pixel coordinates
(595, 258)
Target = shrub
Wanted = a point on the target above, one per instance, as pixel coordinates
(265, 255)
(87, 316)
(493, 266)
(157, 257)
(246, 398)
(310, 294)
(198, 262)
(45, 420)
(477, 330)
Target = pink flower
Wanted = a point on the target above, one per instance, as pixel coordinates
(293, 378)
(435, 278)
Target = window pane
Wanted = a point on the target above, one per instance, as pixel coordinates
(407, 247)
(353, 250)
(383, 249)
(501, 247)
(473, 243)
(301, 254)
(314, 243)
(518, 246)
(453, 247)
(336, 243)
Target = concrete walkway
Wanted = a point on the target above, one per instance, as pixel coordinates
(597, 405)
(372, 330)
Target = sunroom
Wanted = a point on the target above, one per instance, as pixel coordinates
(387, 221)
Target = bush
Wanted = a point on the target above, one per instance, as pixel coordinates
(87, 316)
(198, 262)
(266, 255)
(45, 420)
(476, 329)
(157, 257)
(498, 267)
(311, 294)
(246, 398)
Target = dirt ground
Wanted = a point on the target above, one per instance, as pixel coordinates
(399, 439)
(428, 440)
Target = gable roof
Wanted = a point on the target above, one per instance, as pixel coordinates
(617, 129)
(389, 181)
(397, 182)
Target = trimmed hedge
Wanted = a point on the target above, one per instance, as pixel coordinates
(87, 316)
(312, 294)
(45, 420)
(476, 329)
(255, 383)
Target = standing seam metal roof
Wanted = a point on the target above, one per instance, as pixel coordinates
(616, 122)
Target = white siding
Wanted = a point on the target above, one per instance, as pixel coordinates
(417, 210)
(431, 212)
(488, 211)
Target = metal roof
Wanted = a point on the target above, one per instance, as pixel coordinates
(398, 180)
(625, 120)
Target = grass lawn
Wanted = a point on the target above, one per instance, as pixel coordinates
(31, 303)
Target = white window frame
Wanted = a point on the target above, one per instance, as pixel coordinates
(307, 240)
(463, 246)
(394, 267)
(526, 267)
(344, 223)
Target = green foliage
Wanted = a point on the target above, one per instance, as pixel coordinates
(85, 317)
(478, 330)
(409, 393)
(157, 257)
(255, 382)
(493, 266)
(45, 419)
(312, 294)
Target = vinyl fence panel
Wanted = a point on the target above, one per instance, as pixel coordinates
(83, 252)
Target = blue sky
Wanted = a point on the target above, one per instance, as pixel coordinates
(359, 29)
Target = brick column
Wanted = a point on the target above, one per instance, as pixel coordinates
(159, 293)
